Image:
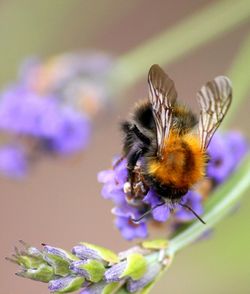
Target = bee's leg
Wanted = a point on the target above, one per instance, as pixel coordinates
(140, 135)
(132, 158)
(118, 161)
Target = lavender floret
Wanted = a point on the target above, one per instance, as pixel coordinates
(113, 274)
(150, 275)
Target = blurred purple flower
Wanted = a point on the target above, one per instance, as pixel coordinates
(76, 79)
(225, 152)
(73, 133)
(49, 108)
(25, 113)
(237, 144)
(12, 161)
(58, 129)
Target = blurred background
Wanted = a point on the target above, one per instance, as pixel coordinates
(59, 201)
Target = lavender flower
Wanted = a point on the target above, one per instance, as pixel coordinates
(94, 270)
(12, 161)
(49, 109)
(72, 135)
(225, 153)
(53, 127)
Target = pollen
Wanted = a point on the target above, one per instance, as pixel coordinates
(183, 162)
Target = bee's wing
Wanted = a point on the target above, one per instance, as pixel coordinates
(214, 99)
(162, 96)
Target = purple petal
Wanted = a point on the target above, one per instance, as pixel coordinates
(161, 213)
(126, 210)
(193, 200)
(130, 230)
(152, 198)
(110, 191)
(121, 172)
(105, 176)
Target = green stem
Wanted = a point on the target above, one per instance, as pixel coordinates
(196, 30)
(220, 204)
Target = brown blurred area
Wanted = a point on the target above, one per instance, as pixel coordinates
(59, 203)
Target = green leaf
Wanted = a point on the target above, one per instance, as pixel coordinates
(110, 288)
(104, 253)
(74, 284)
(95, 270)
(29, 261)
(136, 266)
(44, 273)
(59, 259)
(60, 265)
(155, 244)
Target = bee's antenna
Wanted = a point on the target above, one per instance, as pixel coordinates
(190, 209)
(162, 203)
(147, 212)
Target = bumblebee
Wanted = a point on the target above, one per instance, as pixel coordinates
(168, 139)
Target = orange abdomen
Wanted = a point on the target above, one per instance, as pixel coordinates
(183, 162)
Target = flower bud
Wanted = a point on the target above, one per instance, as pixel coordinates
(134, 267)
(43, 273)
(92, 270)
(89, 251)
(59, 259)
(114, 273)
(66, 285)
(151, 273)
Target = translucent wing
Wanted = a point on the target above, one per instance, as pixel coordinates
(214, 99)
(162, 96)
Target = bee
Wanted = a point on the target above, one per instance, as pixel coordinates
(169, 140)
